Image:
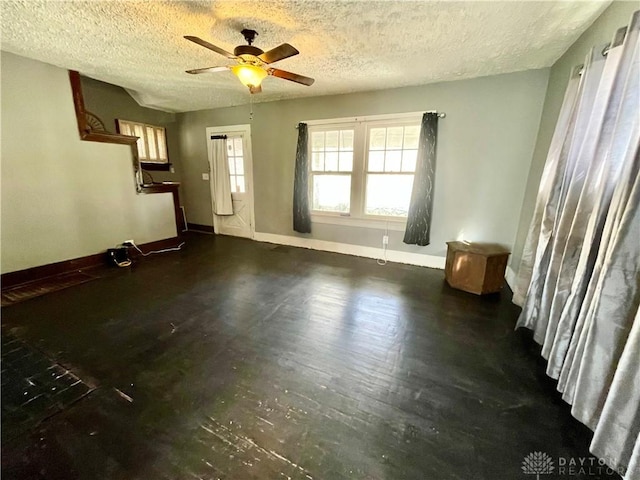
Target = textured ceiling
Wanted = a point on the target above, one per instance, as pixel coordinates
(346, 46)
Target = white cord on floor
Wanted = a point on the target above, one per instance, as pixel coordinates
(174, 249)
(383, 261)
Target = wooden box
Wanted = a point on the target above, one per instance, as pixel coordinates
(476, 267)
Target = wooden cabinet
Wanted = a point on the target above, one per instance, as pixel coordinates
(476, 267)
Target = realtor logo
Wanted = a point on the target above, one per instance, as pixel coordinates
(537, 463)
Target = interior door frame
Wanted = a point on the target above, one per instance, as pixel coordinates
(245, 130)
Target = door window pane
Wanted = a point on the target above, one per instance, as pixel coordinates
(332, 193)
(237, 146)
(238, 182)
(239, 166)
(388, 195)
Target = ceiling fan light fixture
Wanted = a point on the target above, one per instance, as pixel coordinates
(249, 75)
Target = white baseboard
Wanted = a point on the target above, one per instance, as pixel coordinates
(510, 275)
(395, 256)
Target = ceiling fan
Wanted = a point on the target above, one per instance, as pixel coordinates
(252, 62)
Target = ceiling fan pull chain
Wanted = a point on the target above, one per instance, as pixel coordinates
(251, 108)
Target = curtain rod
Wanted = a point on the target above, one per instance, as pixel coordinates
(218, 137)
(391, 116)
(618, 38)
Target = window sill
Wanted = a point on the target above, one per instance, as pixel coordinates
(394, 225)
(166, 167)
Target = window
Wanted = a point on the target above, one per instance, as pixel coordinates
(391, 163)
(152, 143)
(363, 171)
(331, 167)
(236, 164)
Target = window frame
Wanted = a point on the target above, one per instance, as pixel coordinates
(233, 176)
(148, 163)
(312, 173)
(361, 126)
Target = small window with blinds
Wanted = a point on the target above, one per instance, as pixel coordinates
(152, 143)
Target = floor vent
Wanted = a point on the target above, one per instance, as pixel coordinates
(37, 288)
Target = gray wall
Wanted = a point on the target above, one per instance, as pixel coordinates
(63, 198)
(484, 152)
(602, 30)
(109, 102)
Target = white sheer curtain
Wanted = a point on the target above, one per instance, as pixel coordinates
(579, 281)
(221, 183)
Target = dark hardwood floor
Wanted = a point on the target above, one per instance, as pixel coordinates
(234, 359)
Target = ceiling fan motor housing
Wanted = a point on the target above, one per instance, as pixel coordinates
(250, 50)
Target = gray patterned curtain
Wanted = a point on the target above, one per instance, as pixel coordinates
(419, 218)
(301, 212)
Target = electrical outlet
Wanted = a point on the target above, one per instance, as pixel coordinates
(205, 176)
(130, 242)
(385, 240)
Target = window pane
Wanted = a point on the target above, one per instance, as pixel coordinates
(237, 146)
(332, 193)
(239, 182)
(392, 161)
(239, 165)
(317, 141)
(162, 144)
(388, 194)
(409, 160)
(346, 140)
(125, 129)
(394, 137)
(411, 135)
(317, 161)
(230, 147)
(346, 161)
(377, 138)
(331, 162)
(138, 131)
(151, 143)
(232, 167)
(331, 140)
(376, 161)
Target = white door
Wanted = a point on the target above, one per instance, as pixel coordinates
(241, 223)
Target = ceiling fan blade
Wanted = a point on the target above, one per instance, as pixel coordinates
(208, 70)
(279, 53)
(210, 46)
(293, 77)
(257, 89)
